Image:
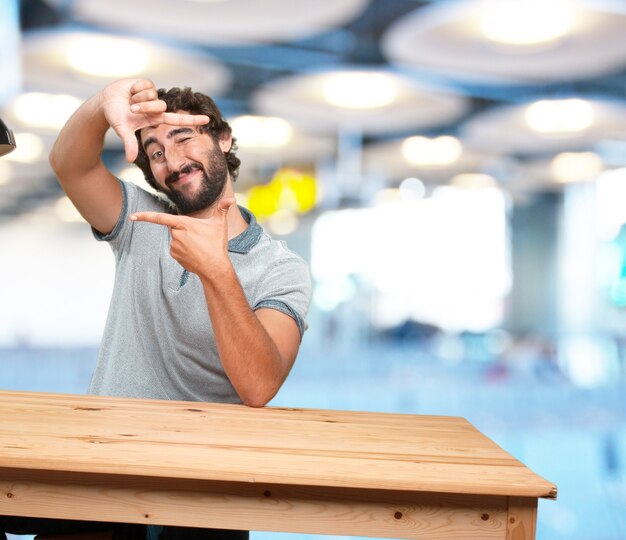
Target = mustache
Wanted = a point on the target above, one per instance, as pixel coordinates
(185, 169)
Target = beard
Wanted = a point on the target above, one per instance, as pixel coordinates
(213, 181)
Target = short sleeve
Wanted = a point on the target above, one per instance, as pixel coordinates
(134, 199)
(287, 288)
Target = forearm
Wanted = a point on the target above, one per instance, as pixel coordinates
(78, 147)
(250, 357)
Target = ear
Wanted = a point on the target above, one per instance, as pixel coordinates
(226, 141)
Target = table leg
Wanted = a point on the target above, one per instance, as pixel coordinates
(522, 518)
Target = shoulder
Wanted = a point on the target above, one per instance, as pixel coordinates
(277, 250)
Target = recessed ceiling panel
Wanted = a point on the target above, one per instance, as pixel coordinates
(81, 63)
(223, 21)
(388, 159)
(507, 129)
(465, 39)
(315, 102)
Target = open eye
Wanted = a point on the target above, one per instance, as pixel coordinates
(157, 155)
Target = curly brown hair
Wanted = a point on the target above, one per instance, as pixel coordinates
(184, 99)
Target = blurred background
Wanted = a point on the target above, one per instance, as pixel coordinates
(454, 172)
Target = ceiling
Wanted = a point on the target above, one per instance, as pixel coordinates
(273, 57)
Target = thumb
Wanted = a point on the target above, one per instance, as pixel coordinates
(130, 145)
(223, 205)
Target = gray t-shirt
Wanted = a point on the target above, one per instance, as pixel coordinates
(158, 340)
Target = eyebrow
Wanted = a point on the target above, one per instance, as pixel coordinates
(170, 134)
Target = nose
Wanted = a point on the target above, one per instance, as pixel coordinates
(174, 159)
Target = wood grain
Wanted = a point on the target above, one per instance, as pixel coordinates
(217, 442)
(522, 518)
(257, 507)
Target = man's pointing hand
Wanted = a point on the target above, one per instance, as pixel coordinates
(198, 244)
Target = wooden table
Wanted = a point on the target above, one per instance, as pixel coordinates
(229, 466)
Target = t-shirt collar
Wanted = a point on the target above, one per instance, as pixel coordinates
(244, 242)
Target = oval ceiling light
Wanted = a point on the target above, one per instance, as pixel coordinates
(542, 127)
(29, 148)
(507, 42)
(576, 166)
(359, 90)
(525, 22)
(38, 109)
(355, 98)
(220, 22)
(107, 56)
(560, 116)
(79, 63)
(261, 131)
(437, 152)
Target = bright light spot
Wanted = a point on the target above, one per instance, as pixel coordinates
(610, 197)
(67, 211)
(29, 148)
(261, 131)
(576, 167)
(5, 172)
(525, 22)
(329, 293)
(560, 116)
(473, 181)
(389, 311)
(588, 361)
(45, 110)
(282, 222)
(289, 189)
(106, 56)
(412, 188)
(359, 90)
(298, 190)
(437, 152)
(408, 253)
(262, 201)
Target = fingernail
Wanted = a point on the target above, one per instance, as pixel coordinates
(134, 107)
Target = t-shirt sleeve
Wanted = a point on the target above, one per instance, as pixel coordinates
(134, 199)
(287, 288)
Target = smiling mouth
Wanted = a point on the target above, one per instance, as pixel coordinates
(183, 178)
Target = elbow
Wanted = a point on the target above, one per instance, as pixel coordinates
(259, 397)
(255, 404)
(256, 401)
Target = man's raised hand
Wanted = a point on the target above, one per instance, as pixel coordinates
(133, 104)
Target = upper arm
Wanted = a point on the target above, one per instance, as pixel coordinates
(284, 332)
(97, 195)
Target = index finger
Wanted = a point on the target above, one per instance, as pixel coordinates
(177, 119)
(158, 218)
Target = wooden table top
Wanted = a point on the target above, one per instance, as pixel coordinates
(234, 443)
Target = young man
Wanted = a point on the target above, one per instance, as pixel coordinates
(206, 306)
